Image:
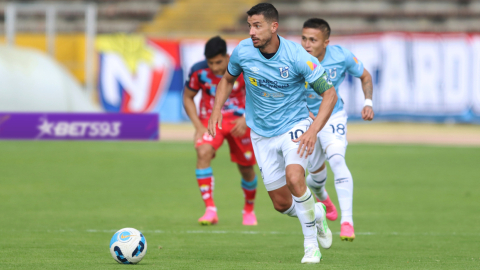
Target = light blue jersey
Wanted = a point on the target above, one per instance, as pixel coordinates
(275, 87)
(337, 62)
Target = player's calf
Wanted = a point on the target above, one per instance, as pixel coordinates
(343, 180)
(206, 182)
(249, 190)
(316, 181)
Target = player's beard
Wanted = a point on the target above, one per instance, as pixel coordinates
(265, 44)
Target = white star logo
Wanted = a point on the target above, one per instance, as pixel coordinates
(45, 127)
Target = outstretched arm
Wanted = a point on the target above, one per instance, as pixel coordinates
(191, 111)
(367, 86)
(224, 88)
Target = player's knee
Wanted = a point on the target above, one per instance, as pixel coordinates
(247, 172)
(282, 206)
(336, 155)
(294, 178)
(205, 153)
(296, 184)
(315, 168)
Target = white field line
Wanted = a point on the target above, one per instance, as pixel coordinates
(283, 233)
(259, 232)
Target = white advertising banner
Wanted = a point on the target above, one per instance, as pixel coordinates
(415, 76)
(456, 74)
(426, 77)
(394, 92)
(475, 82)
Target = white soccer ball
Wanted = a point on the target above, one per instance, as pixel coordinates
(128, 246)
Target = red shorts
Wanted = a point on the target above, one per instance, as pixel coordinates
(241, 149)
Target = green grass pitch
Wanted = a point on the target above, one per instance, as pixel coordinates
(415, 207)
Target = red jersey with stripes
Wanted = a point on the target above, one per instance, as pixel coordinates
(201, 78)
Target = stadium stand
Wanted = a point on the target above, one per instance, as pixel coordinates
(113, 16)
(367, 16)
(197, 17)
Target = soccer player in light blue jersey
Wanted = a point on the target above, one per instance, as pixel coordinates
(332, 142)
(282, 133)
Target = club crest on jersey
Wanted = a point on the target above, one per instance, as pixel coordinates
(333, 73)
(284, 72)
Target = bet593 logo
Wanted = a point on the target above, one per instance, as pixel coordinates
(79, 129)
(133, 73)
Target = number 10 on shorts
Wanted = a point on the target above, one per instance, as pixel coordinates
(295, 134)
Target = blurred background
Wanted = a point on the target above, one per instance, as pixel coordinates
(120, 56)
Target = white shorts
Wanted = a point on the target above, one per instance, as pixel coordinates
(334, 131)
(276, 153)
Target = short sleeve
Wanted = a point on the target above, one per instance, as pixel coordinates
(353, 65)
(308, 66)
(193, 83)
(234, 67)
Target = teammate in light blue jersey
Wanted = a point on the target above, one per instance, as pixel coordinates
(332, 143)
(275, 71)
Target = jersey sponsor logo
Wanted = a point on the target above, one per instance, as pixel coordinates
(284, 72)
(333, 73)
(253, 81)
(311, 65)
(79, 129)
(267, 83)
(273, 95)
(255, 70)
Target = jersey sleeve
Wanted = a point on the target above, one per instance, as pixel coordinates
(234, 67)
(352, 64)
(193, 83)
(308, 66)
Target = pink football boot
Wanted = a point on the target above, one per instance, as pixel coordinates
(332, 213)
(249, 218)
(346, 232)
(209, 218)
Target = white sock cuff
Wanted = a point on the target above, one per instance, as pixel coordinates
(291, 212)
(304, 197)
(319, 178)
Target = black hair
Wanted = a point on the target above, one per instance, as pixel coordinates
(266, 9)
(319, 24)
(215, 46)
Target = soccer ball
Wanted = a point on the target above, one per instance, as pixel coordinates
(128, 246)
